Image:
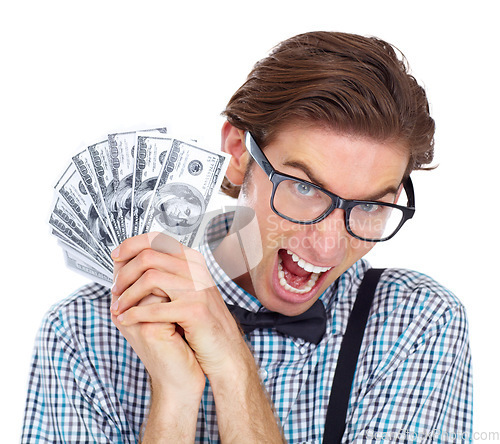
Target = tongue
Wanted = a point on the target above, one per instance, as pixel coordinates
(295, 276)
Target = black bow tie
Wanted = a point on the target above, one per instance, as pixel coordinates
(310, 325)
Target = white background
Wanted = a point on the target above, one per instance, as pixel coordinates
(71, 73)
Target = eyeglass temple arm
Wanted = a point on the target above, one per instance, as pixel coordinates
(408, 187)
(257, 154)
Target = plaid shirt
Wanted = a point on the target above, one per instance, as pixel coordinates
(412, 382)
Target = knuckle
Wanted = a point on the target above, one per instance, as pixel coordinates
(195, 269)
(199, 310)
(194, 255)
(128, 317)
(145, 257)
(151, 277)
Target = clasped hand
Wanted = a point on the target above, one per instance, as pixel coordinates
(167, 306)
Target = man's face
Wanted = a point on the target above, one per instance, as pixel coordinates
(349, 166)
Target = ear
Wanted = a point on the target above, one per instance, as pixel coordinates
(233, 142)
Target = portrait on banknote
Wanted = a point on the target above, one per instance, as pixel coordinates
(180, 208)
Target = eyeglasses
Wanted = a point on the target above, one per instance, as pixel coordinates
(306, 203)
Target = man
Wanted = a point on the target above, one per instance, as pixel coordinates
(323, 136)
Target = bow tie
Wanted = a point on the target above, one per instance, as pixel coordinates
(310, 325)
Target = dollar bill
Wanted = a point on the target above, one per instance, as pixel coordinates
(70, 186)
(122, 162)
(129, 184)
(81, 265)
(189, 178)
(149, 158)
(65, 233)
(84, 165)
(93, 166)
(63, 219)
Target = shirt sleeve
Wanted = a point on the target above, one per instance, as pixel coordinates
(420, 389)
(64, 402)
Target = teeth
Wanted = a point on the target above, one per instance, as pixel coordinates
(309, 285)
(310, 268)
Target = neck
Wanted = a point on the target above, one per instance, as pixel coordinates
(240, 250)
(230, 255)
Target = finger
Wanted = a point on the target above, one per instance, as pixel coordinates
(151, 314)
(161, 242)
(152, 299)
(154, 282)
(135, 333)
(180, 311)
(147, 259)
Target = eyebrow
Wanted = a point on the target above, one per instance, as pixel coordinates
(315, 180)
(386, 191)
(309, 173)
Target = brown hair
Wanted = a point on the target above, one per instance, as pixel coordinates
(349, 83)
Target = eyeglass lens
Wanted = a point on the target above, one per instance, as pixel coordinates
(304, 203)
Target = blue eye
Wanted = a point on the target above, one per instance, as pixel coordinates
(304, 189)
(369, 207)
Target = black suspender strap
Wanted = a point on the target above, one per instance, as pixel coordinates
(348, 358)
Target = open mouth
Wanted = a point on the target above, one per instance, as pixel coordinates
(296, 275)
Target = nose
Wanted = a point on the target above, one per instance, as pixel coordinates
(329, 237)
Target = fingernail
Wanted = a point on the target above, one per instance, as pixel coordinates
(115, 306)
(120, 318)
(115, 253)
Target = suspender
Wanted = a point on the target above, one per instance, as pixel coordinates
(348, 357)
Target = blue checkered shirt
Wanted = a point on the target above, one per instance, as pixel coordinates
(412, 382)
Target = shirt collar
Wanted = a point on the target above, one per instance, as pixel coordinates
(345, 290)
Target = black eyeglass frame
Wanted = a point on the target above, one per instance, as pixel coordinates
(276, 177)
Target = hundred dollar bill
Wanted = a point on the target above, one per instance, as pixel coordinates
(122, 162)
(76, 263)
(93, 166)
(189, 178)
(66, 234)
(82, 265)
(62, 231)
(70, 186)
(65, 220)
(149, 158)
(84, 165)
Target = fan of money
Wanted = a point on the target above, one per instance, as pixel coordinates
(128, 184)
